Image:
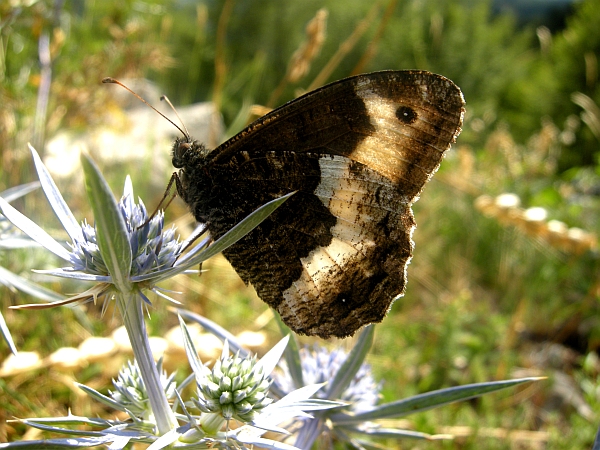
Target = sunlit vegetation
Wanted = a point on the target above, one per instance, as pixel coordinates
(500, 285)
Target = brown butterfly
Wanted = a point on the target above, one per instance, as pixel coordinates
(358, 152)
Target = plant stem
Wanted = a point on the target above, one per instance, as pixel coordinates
(131, 309)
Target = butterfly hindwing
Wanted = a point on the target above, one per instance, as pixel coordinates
(358, 152)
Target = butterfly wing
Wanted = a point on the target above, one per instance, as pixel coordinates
(358, 152)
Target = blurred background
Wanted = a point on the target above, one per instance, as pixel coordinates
(504, 281)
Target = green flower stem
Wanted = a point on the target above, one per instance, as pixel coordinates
(132, 310)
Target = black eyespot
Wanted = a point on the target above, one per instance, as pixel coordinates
(406, 115)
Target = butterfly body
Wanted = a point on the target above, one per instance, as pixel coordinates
(357, 153)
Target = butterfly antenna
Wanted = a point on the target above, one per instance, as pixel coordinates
(115, 81)
(166, 99)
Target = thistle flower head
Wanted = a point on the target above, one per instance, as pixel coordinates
(320, 365)
(152, 247)
(131, 394)
(235, 388)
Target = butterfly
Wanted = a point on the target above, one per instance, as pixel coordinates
(357, 152)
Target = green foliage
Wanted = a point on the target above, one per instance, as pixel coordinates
(458, 39)
(575, 64)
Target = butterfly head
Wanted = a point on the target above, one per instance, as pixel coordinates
(187, 152)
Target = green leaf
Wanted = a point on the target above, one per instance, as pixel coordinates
(29, 287)
(228, 239)
(394, 433)
(216, 330)
(597, 441)
(19, 191)
(33, 230)
(55, 198)
(166, 440)
(56, 444)
(352, 364)
(101, 397)
(7, 336)
(272, 357)
(112, 232)
(190, 350)
(264, 443)
(51, 424)
(292, 354)
(429, 400)
(239, 231)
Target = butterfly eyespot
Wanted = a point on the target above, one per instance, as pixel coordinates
(406, 115)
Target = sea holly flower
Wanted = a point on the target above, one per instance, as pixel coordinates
(125, 254)
(320, 365)
(131, 395)
(235, 388)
